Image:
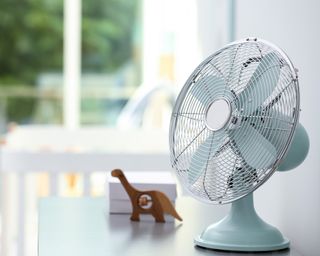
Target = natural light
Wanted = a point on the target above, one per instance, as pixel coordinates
(89, 138)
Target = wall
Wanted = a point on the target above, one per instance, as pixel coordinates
(291, 200)
(212, 23)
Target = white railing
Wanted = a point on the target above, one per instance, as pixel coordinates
(56, 151)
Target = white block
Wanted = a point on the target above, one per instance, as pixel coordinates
(122, 206)
(119, 201)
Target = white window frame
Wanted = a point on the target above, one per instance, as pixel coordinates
(72, 64)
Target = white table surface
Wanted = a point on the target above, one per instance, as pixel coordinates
(83, 227)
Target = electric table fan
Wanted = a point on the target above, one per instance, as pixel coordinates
(234, 123)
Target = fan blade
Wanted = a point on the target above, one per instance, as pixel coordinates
(261, 84)
(276, 127)
(208, 88)
(202, 155)
(256, 150)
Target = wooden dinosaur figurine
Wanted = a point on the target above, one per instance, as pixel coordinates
(151, 202)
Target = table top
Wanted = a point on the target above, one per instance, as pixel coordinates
(83, 227)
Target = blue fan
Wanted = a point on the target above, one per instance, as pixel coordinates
(234, 123)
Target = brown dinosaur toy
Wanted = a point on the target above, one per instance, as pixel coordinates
(151, 202)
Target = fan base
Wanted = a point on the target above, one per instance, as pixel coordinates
(242, 247)
(242, 230)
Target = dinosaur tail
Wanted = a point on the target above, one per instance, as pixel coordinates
(167, 205)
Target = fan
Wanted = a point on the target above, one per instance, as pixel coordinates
(234, 123)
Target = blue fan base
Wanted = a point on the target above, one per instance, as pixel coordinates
(242, 230)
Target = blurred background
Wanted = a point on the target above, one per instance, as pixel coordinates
(86, 77)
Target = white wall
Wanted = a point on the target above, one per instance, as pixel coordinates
(291, 200)
(212, 23)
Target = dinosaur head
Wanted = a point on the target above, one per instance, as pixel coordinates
(116, 173)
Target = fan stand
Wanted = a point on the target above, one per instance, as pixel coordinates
(242, 230)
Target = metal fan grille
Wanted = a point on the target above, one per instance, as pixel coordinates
(224, 175)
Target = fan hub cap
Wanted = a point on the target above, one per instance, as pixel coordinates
(218, 114)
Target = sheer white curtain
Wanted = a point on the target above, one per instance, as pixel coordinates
(190, 30)
(169, 28)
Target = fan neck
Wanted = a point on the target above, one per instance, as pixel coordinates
(242, 211)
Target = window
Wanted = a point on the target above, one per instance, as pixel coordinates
(115, 63)
(32, 59)
(79, 62)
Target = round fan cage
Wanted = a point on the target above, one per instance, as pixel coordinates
(224, 175)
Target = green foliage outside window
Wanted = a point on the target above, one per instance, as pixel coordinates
(32, 43)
